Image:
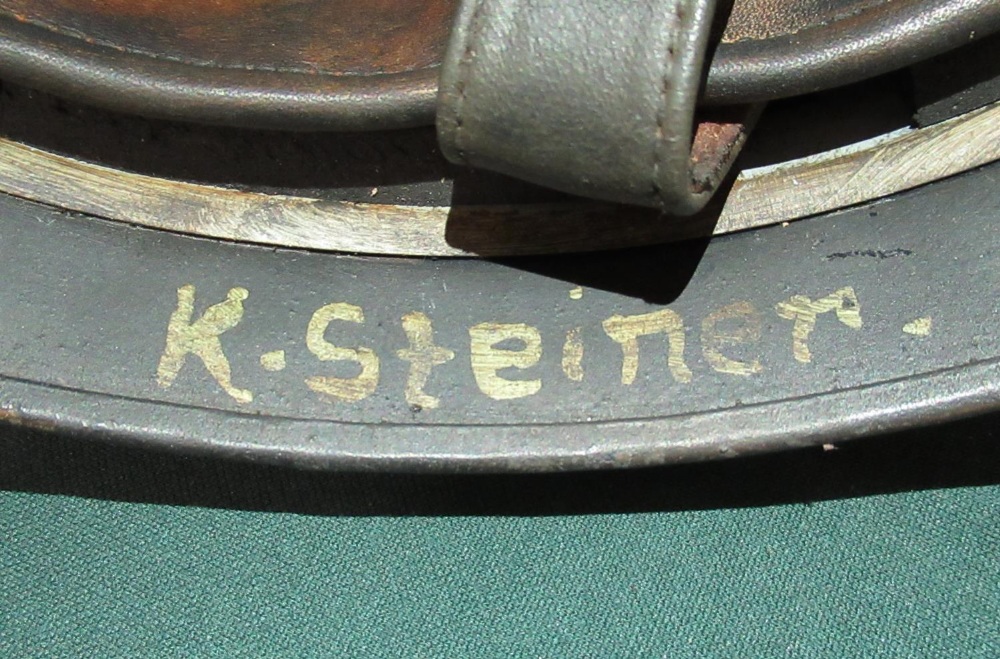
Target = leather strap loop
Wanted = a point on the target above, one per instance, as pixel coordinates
(592, 97)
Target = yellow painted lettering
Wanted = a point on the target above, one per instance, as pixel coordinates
(626, 331)
(804, 311)
(742, 325)
(488, 360)
(201, 338)
(572, 357)
(422, 355)
(348, 389)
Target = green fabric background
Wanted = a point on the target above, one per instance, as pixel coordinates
(898, 554)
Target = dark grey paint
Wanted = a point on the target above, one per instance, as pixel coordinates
(85, 310)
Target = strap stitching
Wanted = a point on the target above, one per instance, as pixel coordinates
(464, 67)
(665, 86)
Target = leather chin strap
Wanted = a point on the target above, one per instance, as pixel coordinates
(591, 97)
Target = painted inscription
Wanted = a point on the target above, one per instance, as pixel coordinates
(349, 389)
(742, 325)
(919, 326)
(488, 358)
(502, 356)
(422, 355)
(626, 330)
(201, 338)
(803, 312)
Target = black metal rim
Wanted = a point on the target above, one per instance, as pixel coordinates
(81, 340)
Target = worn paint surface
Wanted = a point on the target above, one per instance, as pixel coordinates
(405, 356)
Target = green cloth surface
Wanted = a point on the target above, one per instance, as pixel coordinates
(911, 574)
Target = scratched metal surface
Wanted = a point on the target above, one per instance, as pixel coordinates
(88, 304)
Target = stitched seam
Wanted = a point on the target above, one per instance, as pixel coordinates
(90, 41)
(464, 67)
(665, 85)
